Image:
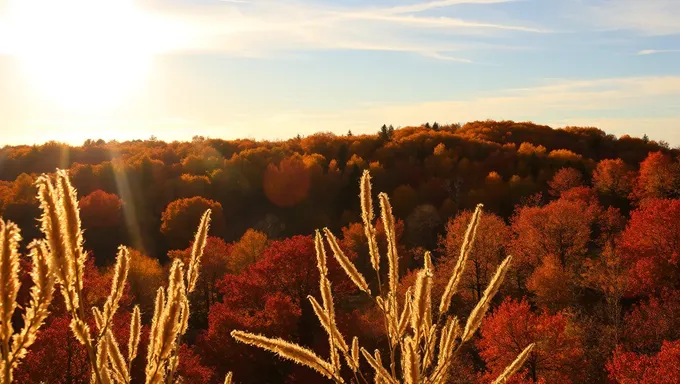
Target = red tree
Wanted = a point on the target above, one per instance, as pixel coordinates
(652, 322)
(269, 297)
(100, 209)
(557, 357)
(633, 368)
(651, 246)
(564, 180)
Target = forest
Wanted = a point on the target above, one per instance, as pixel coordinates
(592, 222)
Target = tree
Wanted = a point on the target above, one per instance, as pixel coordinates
(650, 245)
(144, 278)
(561, 230)
(214, 265)
(488, 251)
(190, 367)
(653, 321)
(659, 178)
(269, 297)
(179, 218)
(100, 209)
(558, 355)
(612, 177)
(288, 184)
(564, 180)
(660, 368)
(247, 250)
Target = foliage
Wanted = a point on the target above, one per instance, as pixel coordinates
(558, 353)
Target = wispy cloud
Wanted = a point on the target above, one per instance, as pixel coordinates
(648, 17)
(261, 28)
(425, 6)
(655, 51)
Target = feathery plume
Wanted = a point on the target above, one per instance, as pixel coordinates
(286, 350)
(459, 268)
(60, 266)
(511, 369)
(171, 325)
(70, 227)
(392, 255)
(380, 371)
(320, 253)
(117, 286)
(405, 318)
(338, 340)
(41, 297)
(101, 368)
(346, 263)
(411, 363)
(155, 325)
(116, 358)
(197, 251)
(367, 217)
(9, 280)
(420, 303)
(477, 314)
(355, 353)
(135, 331)
(228, 378)
(81, 331)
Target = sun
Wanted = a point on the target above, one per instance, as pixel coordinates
(84, 55)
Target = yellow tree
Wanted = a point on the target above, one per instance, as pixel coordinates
(247, 250)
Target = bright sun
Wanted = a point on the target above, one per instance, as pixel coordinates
(85, 55)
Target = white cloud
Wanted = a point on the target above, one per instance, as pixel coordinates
(260, 28)
(655, 51)
(420, 7)
(647, 17)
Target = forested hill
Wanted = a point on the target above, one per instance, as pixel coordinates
(592, 223)
(131, 189)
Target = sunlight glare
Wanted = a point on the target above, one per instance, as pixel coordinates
(85, 55)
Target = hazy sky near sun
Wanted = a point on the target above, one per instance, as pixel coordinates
(125, 69)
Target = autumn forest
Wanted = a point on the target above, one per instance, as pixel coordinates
(592, 222)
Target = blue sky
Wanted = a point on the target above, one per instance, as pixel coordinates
(276, 68)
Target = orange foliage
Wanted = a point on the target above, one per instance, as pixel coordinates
(288, 184)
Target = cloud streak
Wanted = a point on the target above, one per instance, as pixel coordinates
(648, 17)
(265, 28)
(656, 51)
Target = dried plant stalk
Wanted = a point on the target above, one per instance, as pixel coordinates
(426, 343)
(515, 365)
(287, 350)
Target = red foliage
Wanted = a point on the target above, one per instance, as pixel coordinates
(288, 184)
(557, 357)
(650, 245)
(269, 297)
(652, 322)
(564, 180)
(100, 209)
(633, 368)
(190, 367)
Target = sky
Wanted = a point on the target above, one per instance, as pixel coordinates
(271, 69)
